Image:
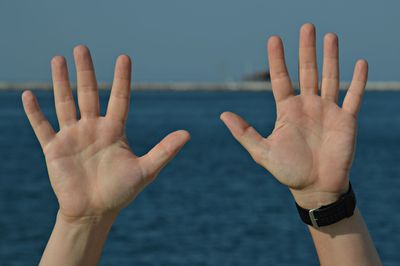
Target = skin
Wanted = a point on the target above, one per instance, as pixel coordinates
(92, 169)
(312, 146)
(95, 174)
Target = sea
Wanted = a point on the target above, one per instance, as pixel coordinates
(212, 205)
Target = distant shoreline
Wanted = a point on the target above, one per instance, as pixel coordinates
(194, 86)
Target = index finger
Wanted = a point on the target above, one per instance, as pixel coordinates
(118, 105)
(281, 84)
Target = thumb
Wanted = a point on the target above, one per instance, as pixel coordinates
(152, 162)
(244, 134)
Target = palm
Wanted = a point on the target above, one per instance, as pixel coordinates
(312, 143)
(92, 168)
(311, 148)
(97, 164)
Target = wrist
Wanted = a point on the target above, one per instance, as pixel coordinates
(86, 232)
(313, 198)
(329, 214)
(77, 240)
(93, 221)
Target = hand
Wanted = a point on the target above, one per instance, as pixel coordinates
(92, 169)
(312, 146)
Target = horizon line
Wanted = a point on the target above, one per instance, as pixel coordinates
(195, 86)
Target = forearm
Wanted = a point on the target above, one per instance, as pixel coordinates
(76, 242)
(345, 243)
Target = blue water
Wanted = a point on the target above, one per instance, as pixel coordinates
(212, 205)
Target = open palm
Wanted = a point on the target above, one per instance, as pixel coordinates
(92, 169)
(312, 146)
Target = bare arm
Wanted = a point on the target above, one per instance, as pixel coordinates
(92, 169)
(312, 146)
(345, 243)
(77, 242)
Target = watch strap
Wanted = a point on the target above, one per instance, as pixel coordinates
(330, 214)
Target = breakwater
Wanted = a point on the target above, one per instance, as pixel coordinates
(195, 86)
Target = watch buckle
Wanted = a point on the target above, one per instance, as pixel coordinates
(312, 218)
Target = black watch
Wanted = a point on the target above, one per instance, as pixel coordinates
(332, 213)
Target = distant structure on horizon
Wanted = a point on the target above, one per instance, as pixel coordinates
(258, 76)
(256, 82)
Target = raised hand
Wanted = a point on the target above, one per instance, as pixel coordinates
(312, 145)
(92, 169)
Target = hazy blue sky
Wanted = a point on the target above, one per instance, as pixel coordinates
(178, 40)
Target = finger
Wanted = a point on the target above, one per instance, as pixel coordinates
(352, 100)
(88, 96)
(281, 84)
(162, 153)
(118, 105)
(330, 69)
(63, 98)
(41, 126)
(308, 60)
(243, 133)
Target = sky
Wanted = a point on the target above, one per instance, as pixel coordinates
(185, 40)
